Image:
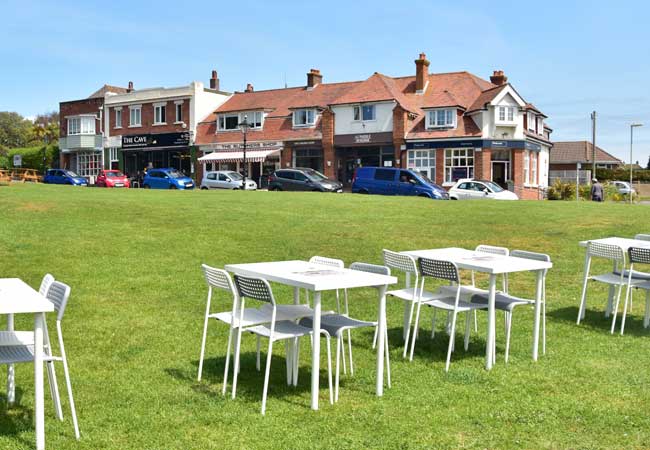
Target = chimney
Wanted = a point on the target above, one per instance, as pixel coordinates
(249, 88)
(130, 88)
(498, 78)
(314, 78)
(214, 81)
(421, 73)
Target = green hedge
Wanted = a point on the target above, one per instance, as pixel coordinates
(32, 157)
(622, 175)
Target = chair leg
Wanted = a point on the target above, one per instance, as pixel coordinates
(544, 327)
(205, 332)
(583, 298)
(618, 300)
(468, 323)
(433, 324)
(288, 349)
(628, 297)
(296, 360)
(329, 367)
(350, 351)
(345, 364)
(452, 334)
(235, 372)
(374, 338)
(257, 360)
(387, 358)
(408, 330)
(266, 376)
(225, 370)
(508, 330)
(475, 322)
(415, 331)
(646, 317)
(66, 373)
(54, 390)
(338, 360)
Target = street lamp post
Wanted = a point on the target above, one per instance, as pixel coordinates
(244, 126)
(632, 127)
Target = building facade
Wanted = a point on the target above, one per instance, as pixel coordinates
(567, 155)
(447, 126)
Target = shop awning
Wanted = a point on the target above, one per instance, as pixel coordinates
(257, 155)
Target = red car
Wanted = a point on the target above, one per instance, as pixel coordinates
(112, 178)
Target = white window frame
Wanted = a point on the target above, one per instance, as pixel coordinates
(221, 120)
(531, 121)
(112, 154)
(448, 120)
(82, 125)
(74, 126)
(178, 111)
(508, 114)
(533, 168)
(118, 117)
(135, 112)
(526, 167)
(421, 161)
(456, 157)
(357, 113)
(160, 113)
(307, 112)
(540, 125)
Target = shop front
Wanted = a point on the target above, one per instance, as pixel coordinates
(145, 151)
(362, 150)
(307, 154)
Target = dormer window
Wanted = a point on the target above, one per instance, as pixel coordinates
(441, 118)
(231, 121)
(506, 113)
(531, 121)
(540, 125)
(304, 118)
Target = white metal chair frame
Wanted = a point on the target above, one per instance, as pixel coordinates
(18, 347)
(260, 290)
(637, 255)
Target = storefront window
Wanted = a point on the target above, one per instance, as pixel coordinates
(309, 157)
(88, 164)
(423, 161)
(459, 163)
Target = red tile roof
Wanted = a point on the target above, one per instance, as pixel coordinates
(579, 151)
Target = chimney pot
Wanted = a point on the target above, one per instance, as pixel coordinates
(421, 73)
(249, 88)
(498, 77)
(214, 81)
(314, 78)
(130, 88)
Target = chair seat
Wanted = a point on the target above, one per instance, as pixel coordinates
(11, 338)
(284, 329)
(14, 354)
(447, 303)
(335, 323)
(465, 291)
(258, 316)
(407, 294)
(635, 274)
(613, 278)
(504, 302)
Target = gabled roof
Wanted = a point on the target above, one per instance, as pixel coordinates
(579, 151)
(486, 97)
(377, 88)
(107, 88)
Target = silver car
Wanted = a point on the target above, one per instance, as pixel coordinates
(226, 179)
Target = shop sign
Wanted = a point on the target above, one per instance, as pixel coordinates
(249, 145)
(362, 138)
(156, 140)
(18, 160)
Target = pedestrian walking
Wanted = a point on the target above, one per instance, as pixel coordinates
(597, 194)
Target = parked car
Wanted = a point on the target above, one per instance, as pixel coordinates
(166, 179)
(469, 189)
(60, 176)
(623, 187)
(392, 181)
(226, 179)
(112, 179)
(302, 179)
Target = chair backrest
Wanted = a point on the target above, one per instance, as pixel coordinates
(492, 250)
(531, 255)
(606, 251)
(58, 293)
(255, 288)
(372, 268)
(45, 284)
(442, 270)
(398, 261)
(327, 261)
(642, 237)
(218, 278)
(639, 255)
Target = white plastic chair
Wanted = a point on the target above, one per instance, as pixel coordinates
(445, 270)
(259, 289)
(337, 324)
(616, 278)
(218, 279)
(407, 265)
(637, 255)
(18, 347)
(508, 303)
(642, 237)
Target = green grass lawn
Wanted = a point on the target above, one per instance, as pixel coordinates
(134, 322)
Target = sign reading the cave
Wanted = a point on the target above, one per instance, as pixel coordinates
(156, 140)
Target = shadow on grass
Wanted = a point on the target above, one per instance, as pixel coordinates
(16, 419)
(595, 320)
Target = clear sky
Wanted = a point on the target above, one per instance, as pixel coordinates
(566, 57)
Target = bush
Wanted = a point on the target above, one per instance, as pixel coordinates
(561, 191)
(622, 175)
(33, 157)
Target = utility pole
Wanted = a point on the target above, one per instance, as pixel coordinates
(593, 145)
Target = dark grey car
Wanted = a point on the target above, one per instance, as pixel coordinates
(302, 179)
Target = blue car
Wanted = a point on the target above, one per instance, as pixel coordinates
(60, 176)
(392, 181)
(166, 179)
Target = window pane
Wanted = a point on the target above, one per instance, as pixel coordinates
(231, 122)
(356, 113)
(369, 112)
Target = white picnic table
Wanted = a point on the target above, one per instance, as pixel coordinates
(493, 265)
(17, 297)
(319, 278)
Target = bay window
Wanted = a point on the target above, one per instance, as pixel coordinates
(422, 161)
(81, 125)
(304, 117)
(533, 168)
(441, 118)
(459, 163)
(526, 167)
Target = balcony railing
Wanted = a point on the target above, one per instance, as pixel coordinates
(81, 142)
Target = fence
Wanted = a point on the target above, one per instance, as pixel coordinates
(569, 176)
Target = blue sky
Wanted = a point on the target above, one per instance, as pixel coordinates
(568, 58)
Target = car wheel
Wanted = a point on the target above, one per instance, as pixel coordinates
(363, 191)
(276, 188)
(424, 195)
(453, 198)
(203, 188)
(172, 186)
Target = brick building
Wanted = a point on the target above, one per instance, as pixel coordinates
(448, 126)
(566, 155)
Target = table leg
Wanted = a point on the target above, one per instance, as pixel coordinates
(491, 328)
(11, 381)
(407, 308)
(381, 325)
(538, 305)
(39, 410)
(315, 352)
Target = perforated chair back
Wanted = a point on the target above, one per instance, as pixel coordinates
(371, 268)
(45, 284)
(327, 261)
(531, 255)
(398, 261)
(218, 278)
(58, 293)
(639, 255)
(606, 251)
(442, 270)
(642, 237)
(492, 250)
(255, 288)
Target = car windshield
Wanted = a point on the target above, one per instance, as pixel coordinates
(70, 173)
(315, 175)
(175, 174)
(114, 174)
(495, 187)
(234, 176)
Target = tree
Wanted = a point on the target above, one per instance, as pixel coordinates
(648, 166)
(15, 130)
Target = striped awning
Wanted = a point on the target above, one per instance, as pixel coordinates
(257, 155)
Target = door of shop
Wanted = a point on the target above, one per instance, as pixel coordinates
(500, 172)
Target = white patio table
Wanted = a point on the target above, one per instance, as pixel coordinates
(493, 265)
(318, 278)
(17, 297)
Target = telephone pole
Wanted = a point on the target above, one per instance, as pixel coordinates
(593, 145)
